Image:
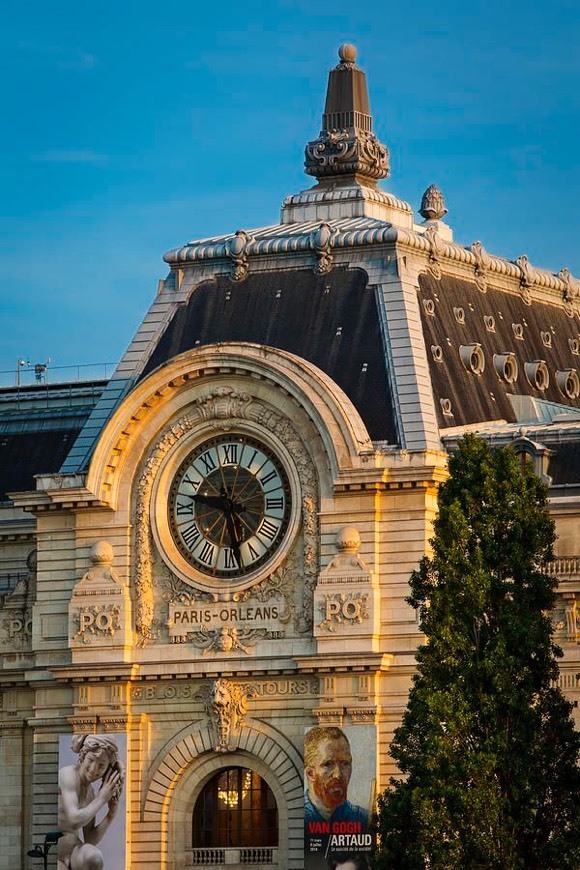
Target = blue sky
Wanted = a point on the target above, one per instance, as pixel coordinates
(132, 127)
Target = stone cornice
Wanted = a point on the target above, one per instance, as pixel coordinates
(351, 233)
(337, 664)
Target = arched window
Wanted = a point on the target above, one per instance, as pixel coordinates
(235, 808)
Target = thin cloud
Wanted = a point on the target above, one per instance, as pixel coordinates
(72, 156)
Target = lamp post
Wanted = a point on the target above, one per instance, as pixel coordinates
(42, 851)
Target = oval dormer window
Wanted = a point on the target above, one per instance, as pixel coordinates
(472, 358)
(568, 383)
(537, 374)
(506, 367)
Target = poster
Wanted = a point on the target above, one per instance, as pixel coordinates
(92, 800)
(339, 795)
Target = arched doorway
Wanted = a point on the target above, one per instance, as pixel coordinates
(235, 815)
(183, 770)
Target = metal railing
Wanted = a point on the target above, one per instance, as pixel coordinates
(26, 374)
(244, 855)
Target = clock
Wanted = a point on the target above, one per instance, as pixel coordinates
(229, 506)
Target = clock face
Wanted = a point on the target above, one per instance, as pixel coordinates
(229, 506)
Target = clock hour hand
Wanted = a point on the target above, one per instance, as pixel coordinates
(213, 501)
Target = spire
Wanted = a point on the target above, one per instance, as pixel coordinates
(346, 149)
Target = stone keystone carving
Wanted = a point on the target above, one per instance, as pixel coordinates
(226, 705)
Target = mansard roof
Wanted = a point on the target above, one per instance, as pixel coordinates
(331, 320)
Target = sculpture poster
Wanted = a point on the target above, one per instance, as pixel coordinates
(92, 801)
(339, 795)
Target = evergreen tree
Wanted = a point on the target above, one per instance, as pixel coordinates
(487, 744)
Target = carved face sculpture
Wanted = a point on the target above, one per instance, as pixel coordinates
(229, 506)
(220, 694)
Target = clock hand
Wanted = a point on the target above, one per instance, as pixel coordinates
(233, 536)
(214, 501)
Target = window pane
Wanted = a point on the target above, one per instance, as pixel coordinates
(235, 808)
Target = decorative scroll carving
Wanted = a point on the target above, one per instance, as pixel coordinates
(225, 406)
(96, 620)
(435, 251)
(237, 251)
(223, 403)
(482, 265)
(143, 581)
(571, 286)
(433, 204)
(226, 704)
(349, 608)
(527, 277)
(571, 291)
(307, 475)
(321, 243)
(347, 152)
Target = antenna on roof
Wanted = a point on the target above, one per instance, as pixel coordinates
(40, 371)
(20, 362)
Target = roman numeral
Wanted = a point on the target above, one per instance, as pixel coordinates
(229, 559)
(253, 552)
(274, 504)
(268, 477)
(207, 461)
(191, 481)
(268, 529)
(247, 463)
(206, 554)
(230, 454)
(191, 535)
(184, 509)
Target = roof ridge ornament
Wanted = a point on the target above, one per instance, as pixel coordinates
(433, 206)
(346, 149)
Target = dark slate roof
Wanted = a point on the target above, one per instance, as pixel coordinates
(25, 454)
(455, 312)
(330, 320)
(38, 427)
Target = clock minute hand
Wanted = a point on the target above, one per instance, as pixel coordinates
(233, 536)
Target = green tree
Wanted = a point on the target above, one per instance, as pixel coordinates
(487, 744)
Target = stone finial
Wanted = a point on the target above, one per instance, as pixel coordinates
(346, 149)
(101, 553)
(348, 540)
(432, 204)
(347, 53)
